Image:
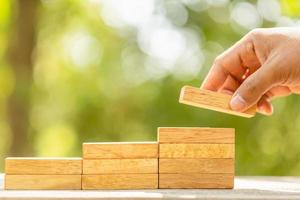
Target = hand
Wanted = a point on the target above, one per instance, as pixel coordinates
(263, 65)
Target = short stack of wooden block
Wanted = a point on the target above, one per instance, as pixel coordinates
(196, 157)
(120, 165)
(43, 173)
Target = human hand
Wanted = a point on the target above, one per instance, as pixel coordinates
(263, 65)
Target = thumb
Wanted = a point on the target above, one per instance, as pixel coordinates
(252, 89)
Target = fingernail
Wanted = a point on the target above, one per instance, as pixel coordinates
(262, 110)
(265, 111)
(238, 103)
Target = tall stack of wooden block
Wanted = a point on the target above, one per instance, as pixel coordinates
(43, 173)
(196, 157)
(131, 165)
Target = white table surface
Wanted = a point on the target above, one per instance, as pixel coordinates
(255, 187)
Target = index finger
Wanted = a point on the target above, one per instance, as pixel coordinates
(233, 62)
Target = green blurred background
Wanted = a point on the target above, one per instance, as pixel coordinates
(73, 71)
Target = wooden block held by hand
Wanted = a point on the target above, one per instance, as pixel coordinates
(196, 151)
(42, 182)
(211, 100)
(109, 150)
(121, 166)
(194, 181)
(30, 165)
(195, 135)
(120, 181)
(202, 166)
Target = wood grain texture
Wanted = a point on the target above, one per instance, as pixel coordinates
(120, 181)
(120, 150)
(196, 150)
(202, 166)
(195, 135)
(121, 166)
(40, 166)
(195, 181)
(211, 100)
(42, 182)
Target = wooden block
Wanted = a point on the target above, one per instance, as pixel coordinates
(39, 166)
(120, 181)
(202, 166)
(196, 151)
(195, 181)
(120, 150)
(121, 166)
(211, 100)
(42, 182)
(195, 135)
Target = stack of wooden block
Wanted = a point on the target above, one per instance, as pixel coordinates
(126, 165)
(43, 173)
(196, 157)
(183, 158)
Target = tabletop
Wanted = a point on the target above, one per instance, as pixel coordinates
(254, 187)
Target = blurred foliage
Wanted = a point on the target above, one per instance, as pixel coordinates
(291, 7)
(95, 78)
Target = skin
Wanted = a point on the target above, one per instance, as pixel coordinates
(263, 65)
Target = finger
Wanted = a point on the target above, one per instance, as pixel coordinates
(295, 89)
(231, 61)
(215, 78)
(252, 89)
(227, 64)
(278, 91)
(264, 106)
(249, 58)
(240, 58)
(229, 86)
(234, 62)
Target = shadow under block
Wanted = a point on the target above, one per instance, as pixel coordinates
(120, 181)
(194, 181)
(195, 135)
(201, 166)
(42, 182)
(211, 100)
(110, 150)
(196, 151)
(40, 166)
(121, 166)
